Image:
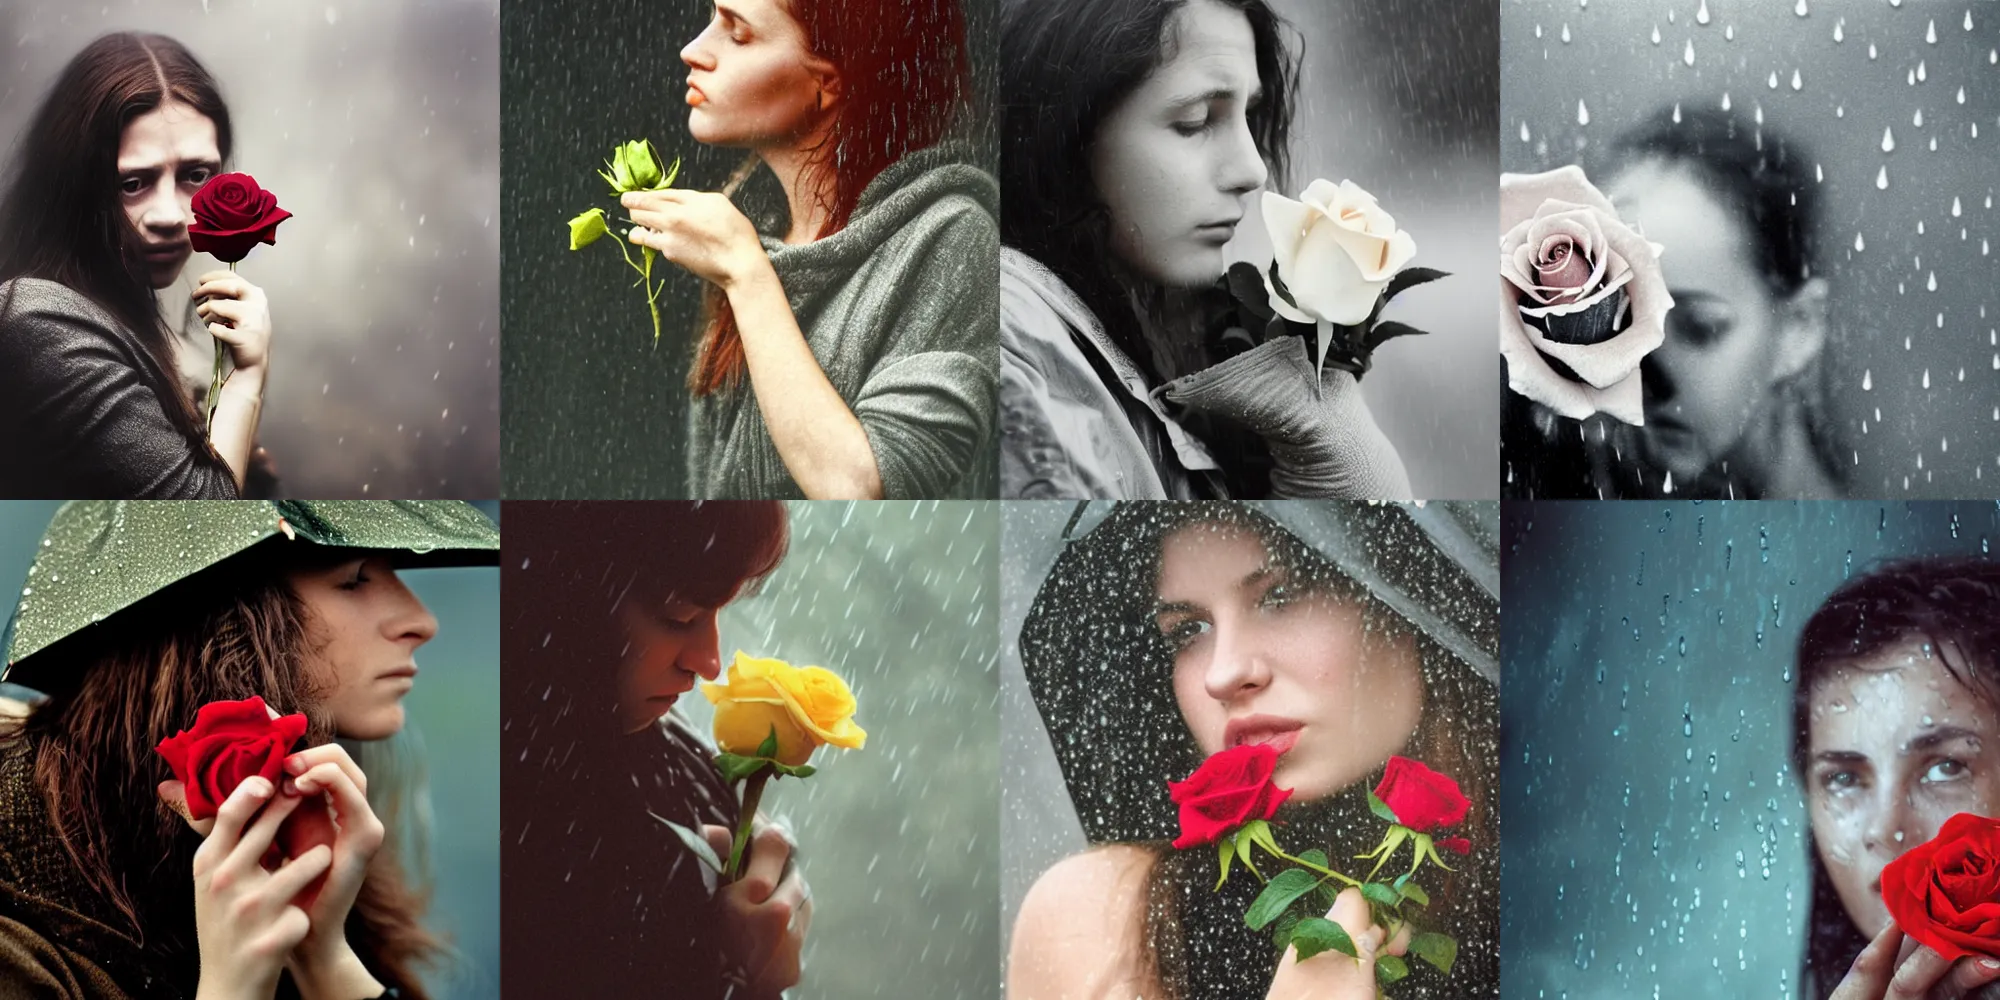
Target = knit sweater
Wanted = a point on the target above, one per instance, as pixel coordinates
(901, 310)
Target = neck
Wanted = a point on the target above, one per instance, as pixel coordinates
(804, 189)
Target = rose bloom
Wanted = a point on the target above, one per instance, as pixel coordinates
(1946, 893)
(807, 706)
(1421, 798)
(1229, 789)
(232, 215)
(1335, 249)
(230, 741)
(1565, 253)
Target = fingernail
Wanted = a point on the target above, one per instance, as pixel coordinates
(295, 764)
(256, 788)
(290, 788)
(1990, 963)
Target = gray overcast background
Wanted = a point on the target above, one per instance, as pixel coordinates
(376, 122)
(1938, 433)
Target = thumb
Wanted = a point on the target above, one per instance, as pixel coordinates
(174, 795)
(1350, 911)
(719, 839)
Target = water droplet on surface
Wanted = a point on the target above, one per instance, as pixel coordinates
(1725, 100)
(1656, 34)
(1931, 285)
(1677, 121)
(1859, 243)
(1930, 33)
(1918, 118)
(1524, 131)
(1955, 209)
(1871, 50)
(1565, 33)
(1797, 82)
(1582, 114)
(1687, 54)
(1922, 71)
(1927, 384)
(1839, 35)
(1888, 141)
(1701, 13)
(1868, 380)
(1961, 98)
(1882, 179)
(1800, 9)
(1774, 79)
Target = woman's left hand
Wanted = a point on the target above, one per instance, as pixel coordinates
(701, 231)
(336, 814)
(1891, 969)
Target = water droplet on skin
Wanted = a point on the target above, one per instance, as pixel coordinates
(1701, 13)
(1888, 141)
(1582, 114)
(1687, 54)
(1882, 179)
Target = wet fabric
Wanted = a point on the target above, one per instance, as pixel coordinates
(899, 309)
(83, 403)
(99, 557)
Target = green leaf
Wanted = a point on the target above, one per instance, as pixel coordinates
(1317, 934)
(1381, 808)
(1227, 848)
(1278, 285)
(1388, 329)
(1316, 857)
(1410, 277)
(795, 770)
(587, 228)
(1246, 285)
(695, 843)
(1243, 854)
(672, 172)
(1281, 932)
(1414, 892)
(769, 748)
(1259, 833)
(1437, 949)
(1389, 968)
(1278, 894)
(736, 767)
(1325, 894)
(1380, 895)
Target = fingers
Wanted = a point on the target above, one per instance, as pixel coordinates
(654, 200)
(1948, 980)
(234, 813)
(264, 832)
(1350, 911)
(222, 285)
(293, 877)
(719, 838)
(174, 794)
(1401, 944)
(770, 851)
(329, 753)
(212, 310)
(360, 831)
(1868, 978)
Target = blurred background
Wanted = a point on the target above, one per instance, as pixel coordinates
(896, 840)
(594, 408)
(453, 723)
(1912, 349)
(1656, 841)
(376, 124)
(1399, 96)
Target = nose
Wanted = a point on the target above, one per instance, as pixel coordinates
(695, 53)
(1242, 168)
(166, 212)
(1892, 828)
(702, 655)
(413, 622)
(1237, 665)
(1656, 377)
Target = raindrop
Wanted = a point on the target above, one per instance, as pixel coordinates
(1921, 74)
(1677, 121)
(1955, 210)
(1656, 34)
(1927, 384)
(1918, 120)
(1838, 34)
(1931, 285)
(1859, 243)
(1668, 486)
(1930, 33)
(1701, 13)
(1871, 50)
(1582, 114)
(1565, 33)
(1725, 100)
(1687, 54)
(1819, 174)
(1800, 10)
(1774, 79)
(1797, 83)
(1524, 131)
(1888, 141)
(1729, 33)
(1961, 98)
(1868, 380)
(1882, 179)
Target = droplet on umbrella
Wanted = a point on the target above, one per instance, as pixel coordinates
(1859, 243)
(1701, 13)
(1868, 380)
(1582, 114)
(1656, 34)
(1888, 141)
(1687, 54)
(1882, 179)
(1930, 33)
(1839, 35)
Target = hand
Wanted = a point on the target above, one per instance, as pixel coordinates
(245, 919)
(1888, 970)
(1331, 975)
(336, 816)
(238, 315)
(767, 911)
(701, 231)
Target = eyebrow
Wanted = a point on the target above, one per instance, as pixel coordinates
(1212, 94)
(1938, 736)
(153, 167)
(1250, 579)
(733, 14)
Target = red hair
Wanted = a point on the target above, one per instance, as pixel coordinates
(904, 75)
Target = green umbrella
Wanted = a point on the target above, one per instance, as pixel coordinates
(102, 556)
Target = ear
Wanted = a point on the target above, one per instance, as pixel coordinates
(1801, 331)
(827, 76)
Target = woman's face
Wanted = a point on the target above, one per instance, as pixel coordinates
(1719, 361)
(1896, 746)
(752, 80)
(1174, 159)
(164, 157)
(670, 644)
(364, 627)
(1262, 660)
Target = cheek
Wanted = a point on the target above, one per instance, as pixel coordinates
(1724, 385)
(1139, 182)
(1204, 717)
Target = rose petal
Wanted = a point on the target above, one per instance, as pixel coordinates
(1530, 374)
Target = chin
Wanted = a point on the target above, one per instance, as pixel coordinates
(376, 725)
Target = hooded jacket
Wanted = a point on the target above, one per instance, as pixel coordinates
(900, 311)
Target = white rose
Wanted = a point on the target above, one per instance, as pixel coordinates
(1335, 249)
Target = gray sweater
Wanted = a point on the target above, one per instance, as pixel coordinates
(901, 309)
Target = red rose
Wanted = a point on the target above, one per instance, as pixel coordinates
(232, 215)
(230, 741)
(1421, 798)
(1228, 790)
(1946, 893)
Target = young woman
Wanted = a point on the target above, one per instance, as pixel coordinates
(850, 355)
(1735, 398)
(137, 615)
(1170, 632)
(1133, 131)
(1895, 729)
(94, 220)
(609, 621)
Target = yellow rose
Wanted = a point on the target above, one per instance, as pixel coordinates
(807, 705)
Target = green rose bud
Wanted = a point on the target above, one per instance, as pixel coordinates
(586, 228)
(633, 167)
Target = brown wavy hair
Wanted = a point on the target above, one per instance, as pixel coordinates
(228, 632)
(905, 76)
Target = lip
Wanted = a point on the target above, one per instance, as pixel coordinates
(696, 97)
(1224, 230)
(1277, 731)
(408, 673)
(167, 252)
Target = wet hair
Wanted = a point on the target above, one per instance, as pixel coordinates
(906, 79)
(1120, 736)
(1064, 66)
(60, 218)
(1949, 604)
(227, 632)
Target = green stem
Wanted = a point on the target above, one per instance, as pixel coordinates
(753, 792)
(215, 383)
(1307, 864)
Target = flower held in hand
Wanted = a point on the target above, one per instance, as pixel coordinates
(230, 741)
(232, 215)
(1421, 798)
(1335, 250)
(1229, 789)
(806, 706)
(1946, 893)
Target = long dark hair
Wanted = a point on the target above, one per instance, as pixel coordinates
(1120, 736)
(1765, 179)
(228, 632)
(1945, 602)
(60, 219)
(906, 79)
(1064, 66)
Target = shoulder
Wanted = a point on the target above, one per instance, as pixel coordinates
(1081, 928)
(35, 314)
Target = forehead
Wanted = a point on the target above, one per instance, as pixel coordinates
(170, 133)
(1709, 247)
(1208, 47)
(1884, 700)
(1207, 556)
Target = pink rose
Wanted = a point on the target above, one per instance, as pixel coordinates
(1580, 286)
